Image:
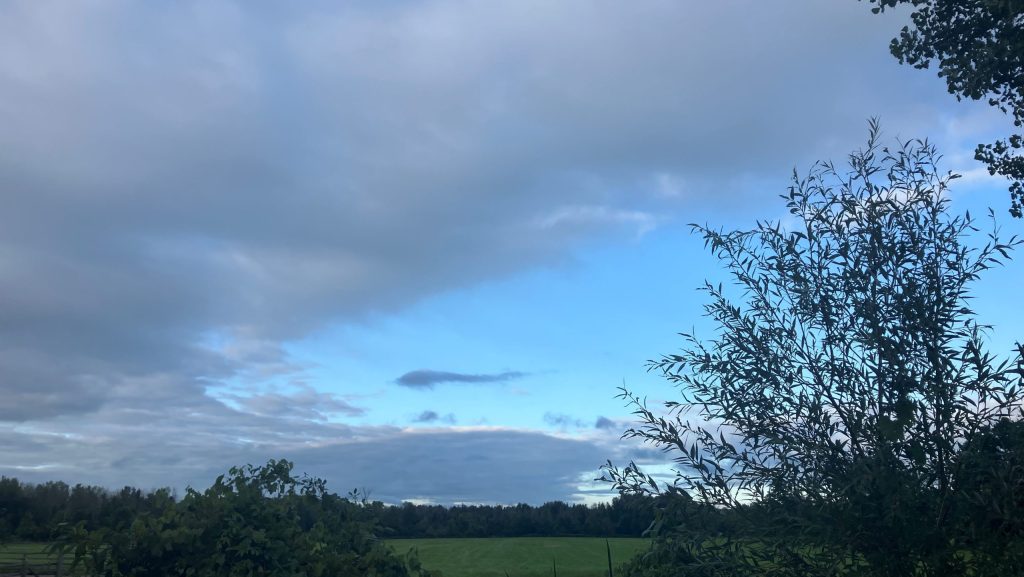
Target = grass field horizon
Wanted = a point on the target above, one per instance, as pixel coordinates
(461, 557)
(520, 556)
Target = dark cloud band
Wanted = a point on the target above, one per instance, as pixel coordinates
(426, 379)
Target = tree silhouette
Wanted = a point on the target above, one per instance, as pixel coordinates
(978, 46)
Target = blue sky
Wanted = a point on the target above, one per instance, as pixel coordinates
(231, 228)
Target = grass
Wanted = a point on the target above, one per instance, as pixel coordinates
(521, 556)
(34, 555)
(8, 549)
(493, 557)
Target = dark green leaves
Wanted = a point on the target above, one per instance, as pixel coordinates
(256, 520)
(978, 46)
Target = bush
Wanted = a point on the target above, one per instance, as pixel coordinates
(255, 521)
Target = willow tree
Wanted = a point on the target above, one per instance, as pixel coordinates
(846, 376)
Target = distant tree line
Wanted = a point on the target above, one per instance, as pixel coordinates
(36, 512)
(625, 516)
(33, 512)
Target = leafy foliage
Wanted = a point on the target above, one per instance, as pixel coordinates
(991, 509)
(979, 48)
(254, 521)
(842, 400)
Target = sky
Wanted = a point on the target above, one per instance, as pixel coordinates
(414, 247)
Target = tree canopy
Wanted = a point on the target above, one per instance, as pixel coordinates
(843, 397)
(979, 48)
(256, 520)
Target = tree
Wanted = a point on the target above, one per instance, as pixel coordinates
(979, 48)
(12, 506)
(253, 521)
(833, 406)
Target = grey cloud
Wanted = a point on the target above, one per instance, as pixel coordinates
(605, 423)
(189, 186)
(33, 388)
(470, 466)
(426, 379)
(427, 417)
(649, 456)
(305, 403)
(562, 420)
(163, 443)
(496, 466)
(433, 417)
(286, 168)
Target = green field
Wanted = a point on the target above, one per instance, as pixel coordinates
(520, 556)
(19, 548)
(15, 556)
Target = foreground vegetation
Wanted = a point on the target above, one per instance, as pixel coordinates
(252, 522)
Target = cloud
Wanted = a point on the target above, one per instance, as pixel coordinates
(189, 187)
(493, 465)
(562, 420)
(598, 217)
(605, 423)
(427, 417)
(434, 417)
(306, 403)
(426, 379)
(180, 211)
